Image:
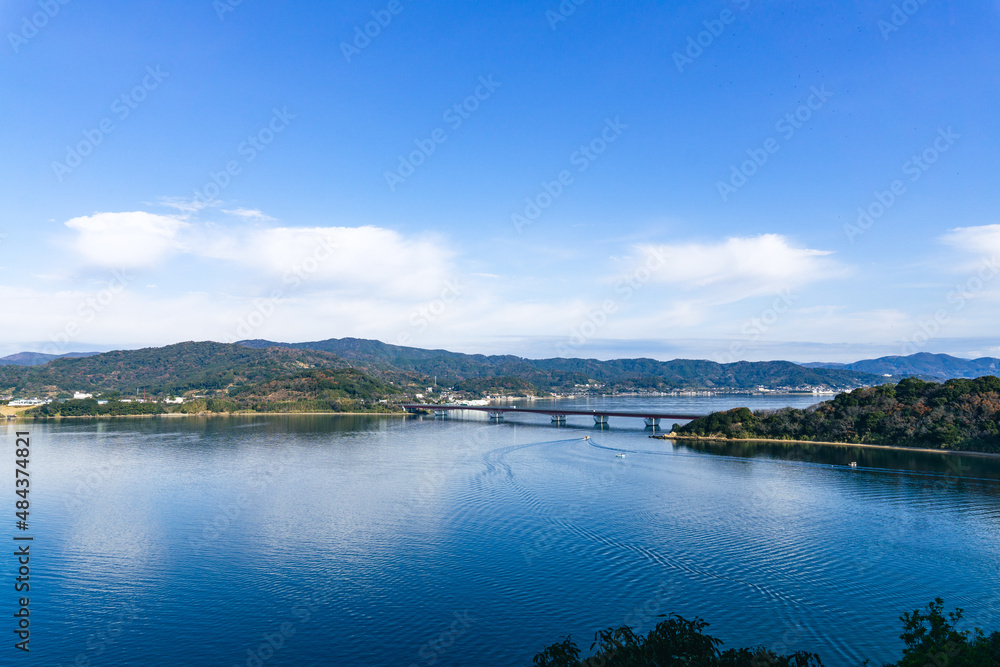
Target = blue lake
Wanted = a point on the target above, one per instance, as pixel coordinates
(318, 540)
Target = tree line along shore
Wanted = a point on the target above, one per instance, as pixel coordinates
(958, 415)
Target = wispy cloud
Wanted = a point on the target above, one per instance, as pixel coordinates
(982, 241)
(248, 214)
(186, 205)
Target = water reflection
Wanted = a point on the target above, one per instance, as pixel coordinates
(535, 531)
(948, 466)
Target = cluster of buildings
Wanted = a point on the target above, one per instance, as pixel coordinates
(28, 402)
(170, 400)
(821, 390)
(79, 396)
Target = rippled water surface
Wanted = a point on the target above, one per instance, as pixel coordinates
(415, 541)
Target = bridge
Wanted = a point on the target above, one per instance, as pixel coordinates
(558, 415)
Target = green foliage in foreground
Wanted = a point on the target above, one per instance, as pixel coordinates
(959, 414)
(930, 638)
(674, 641)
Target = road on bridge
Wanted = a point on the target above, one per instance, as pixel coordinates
(652, 418)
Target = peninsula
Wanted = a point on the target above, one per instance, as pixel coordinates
(959, 414)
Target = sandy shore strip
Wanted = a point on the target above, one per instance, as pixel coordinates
(923, 450)
(216, 414)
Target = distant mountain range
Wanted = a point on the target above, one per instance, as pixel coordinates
(923, 365)
(560, 374)
(208, 367)
(37, 358)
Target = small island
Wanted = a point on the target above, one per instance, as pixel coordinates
(957, 415)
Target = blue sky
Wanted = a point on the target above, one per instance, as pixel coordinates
(644, 179)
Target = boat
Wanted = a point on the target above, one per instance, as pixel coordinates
(586, 437)
(620, 455)
(854, 464)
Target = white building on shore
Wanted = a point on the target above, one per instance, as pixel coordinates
(28, 402)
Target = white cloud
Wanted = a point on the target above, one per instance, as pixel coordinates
(126, 240)
(375, 262)
(750, 265)
(380, 262)
(374, 282)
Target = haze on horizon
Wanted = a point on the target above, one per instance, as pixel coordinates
(724, 180)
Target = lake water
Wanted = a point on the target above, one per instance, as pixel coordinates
(319, 540)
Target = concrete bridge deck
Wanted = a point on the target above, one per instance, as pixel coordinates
(558, 415)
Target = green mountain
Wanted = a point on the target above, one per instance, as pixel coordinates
(173, 369)
(452, 368)
(959, 414)
(321, 390)
(210, 368)
(499, 386)
(315, 390)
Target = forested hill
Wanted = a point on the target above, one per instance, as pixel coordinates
(563, 374)
(959, 414)
(173, 369)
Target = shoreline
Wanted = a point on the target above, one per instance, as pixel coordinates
(923, 450)
(211, 414)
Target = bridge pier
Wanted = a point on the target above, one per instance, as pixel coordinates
(440, 413)
(496, 415)
(558, 419)
(600, 419)
(652, 421)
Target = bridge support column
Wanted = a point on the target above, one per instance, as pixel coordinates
(496, 415)
(652, 421)
(600, 419)
(440, 413)
(558, 419)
